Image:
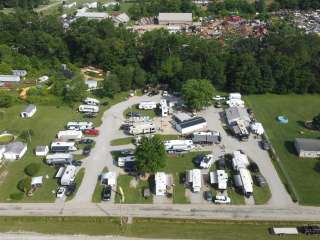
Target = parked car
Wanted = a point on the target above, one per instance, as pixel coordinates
(76, 163)
(106, 193)
(70, 189)
(86, 150)
(86, 141)
(61, 192)
(92, 132)
(265, 145)
(165, 93)
(127, 152)
(309, 229)
(222, 200)
(261, 181)
(221, 164)
(254, 167)
(208, 196)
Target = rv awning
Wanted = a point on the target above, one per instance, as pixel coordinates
(60, 172)
(237, 181)
(213, 178)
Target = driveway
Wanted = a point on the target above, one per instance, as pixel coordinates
(279, 197)
(100, 155)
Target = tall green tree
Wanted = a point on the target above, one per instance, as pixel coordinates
(150, 155)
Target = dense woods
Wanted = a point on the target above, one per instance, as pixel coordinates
(286, 61)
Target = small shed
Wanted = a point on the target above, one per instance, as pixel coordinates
(29, 111)
(91, 84)
(36, 181)
(109, 178)
(41, 151)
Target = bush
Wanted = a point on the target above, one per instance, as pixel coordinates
(6, 101)
(16, 196)
(32, 169)
(24, 185)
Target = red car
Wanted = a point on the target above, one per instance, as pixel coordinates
(92, 132)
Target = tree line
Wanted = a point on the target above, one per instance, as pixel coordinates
(286, 61)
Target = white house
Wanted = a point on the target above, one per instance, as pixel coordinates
(161, 183)
(257, 128)
(79, 125)
(164, 108)
(109, 178)
(247, 183)
(41, 151)
(91, 5)
(121, 18)
(20, 73)
(91, 84)
(220, 178)
(239, 160)
(191, 125)
(15, 150)
(307, 148)
(29, 111)
(234, 114)
(206, 161)
(178, 145)
(194, 178)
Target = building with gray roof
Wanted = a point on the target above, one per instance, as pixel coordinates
(15, 150)
(9, 78)
(307, 148)
(234, 114)
(175, 18)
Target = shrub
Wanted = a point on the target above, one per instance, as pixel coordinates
(32, 169)
(24, 185)
(16, 196)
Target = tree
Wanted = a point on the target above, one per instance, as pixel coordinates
(197, 93)
(316, 122)
(150, 155)
(110, 86)
(5, 100)
(32, 169)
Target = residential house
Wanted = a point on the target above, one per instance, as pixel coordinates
(15, 150)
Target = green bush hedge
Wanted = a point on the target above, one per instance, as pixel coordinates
(32, 169)
(24, 185)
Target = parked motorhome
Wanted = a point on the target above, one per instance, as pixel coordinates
(88, 109)
(246, 182)
(68, 175)
(79, 125)
(91, 101)
(283, 231)
(194, 179)
(63, 147)
(59, 158)
(123, 160)
(164, 108)
(69, 135)
(147, 105)
(219, 178)
(142, 128)
(239, 160)
(161, 183)
(174, 146)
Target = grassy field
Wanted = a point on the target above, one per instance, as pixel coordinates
(96, 197)
(146, 113)
(302, 173)
(148, 228)
(132, 194)
(6, 139)
(78, 181)
(121, 141)
(44, 125)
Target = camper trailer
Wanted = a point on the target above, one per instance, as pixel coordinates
(244, 180)
(63, 147)
(205, 138)
(88, 109)
(194, 179)
(122, 160)
(91, 101)
(79, 125)
(175, 146)
(147, 105)
(164, 108)
(59, 158)
(69, 135)
(142, 128)
(68, 176)
(219, 178)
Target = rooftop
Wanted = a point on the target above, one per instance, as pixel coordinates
(308, 144)
(175, 17)
(15, 147)
(192, 122)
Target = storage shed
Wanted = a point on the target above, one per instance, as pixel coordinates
(307, 148)
(29, 111)
(15, 150)
(41, 151)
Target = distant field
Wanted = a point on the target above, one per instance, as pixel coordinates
(303, 173)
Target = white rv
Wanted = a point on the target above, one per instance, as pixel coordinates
(88, 109)
(91, 101)
(147, 105)
(68, 135)
(63, 147)
(123, 160)
(219, 178)
(142, 128)
(164, 108)
(161, 183)
(59, 158)
(178, 145)
(247, 183)
(79, 125)
(239, 160)
(194, 178)
(68, 175)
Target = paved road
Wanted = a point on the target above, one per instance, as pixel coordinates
(100, 155)
(279, 197)
(192, 211)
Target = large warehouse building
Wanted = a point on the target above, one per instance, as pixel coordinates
(175, 18)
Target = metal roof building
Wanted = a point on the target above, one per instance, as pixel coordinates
(191, 125)
(175, 18)
(9, 78)
(92, 15)
(307, 148)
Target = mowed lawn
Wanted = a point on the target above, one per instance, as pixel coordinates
(47, 121)
(302, 173)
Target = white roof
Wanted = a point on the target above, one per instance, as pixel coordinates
(69, 133)
(9, 78)
(175, 17)
(257, 128)
(79, 124)
(161, 182)
(195, 177)
(123, 18)
(222, 178)
(246, 180)
(234, 96)
(235, 103)
(92, 15)
(92, 100)
(59, 156)
(60, 172)
(110, 176)
(15, 147)
(60, 143)
(239, 160)
(181, 116)
(36, 180)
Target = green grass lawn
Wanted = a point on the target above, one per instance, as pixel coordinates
(5, 139)
(261, 195)
(96, 197)
(132, 194)
(121, 141)
(78, 181)
(302, 173)
(44, 124)
(236, 197)
(149, 228)
(146, 113)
